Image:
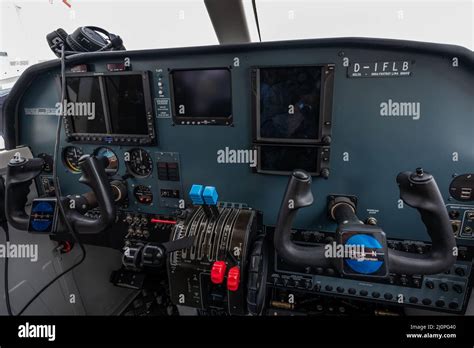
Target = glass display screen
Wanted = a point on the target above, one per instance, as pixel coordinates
(126, 101)
(274, 158)
(289, 102)
(202, 94)
(85, 106)
(108, 104)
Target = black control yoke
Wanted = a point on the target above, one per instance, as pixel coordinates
(418, 190)
(22, 171)
(20, 174)
(297, 195)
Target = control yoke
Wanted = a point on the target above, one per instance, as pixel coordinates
(418, 190)
(298, 195)
(22, 171)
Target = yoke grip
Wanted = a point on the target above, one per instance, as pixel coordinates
(94, 176)
(20, 174)
(419, 190)
(298, 195)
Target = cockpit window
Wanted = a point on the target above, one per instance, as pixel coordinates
(142, 24)
(439, 21)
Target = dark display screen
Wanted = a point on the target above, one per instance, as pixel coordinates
(289, 103)
(203, 94)
(109, 104)
(85, 106)
(126, 100)
(287, 158)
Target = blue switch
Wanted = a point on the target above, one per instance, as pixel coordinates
(196, 194)
(210, 195)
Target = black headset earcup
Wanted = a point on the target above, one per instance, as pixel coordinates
(83, 39)
(62, 34)
(56, 40)
(86, 39)
(75, 46)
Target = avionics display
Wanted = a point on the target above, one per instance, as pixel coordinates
(87, 90)
(111, 107)
(292, 108)
(202, 96)
(292, 104)
(126, 100)
(283, 159)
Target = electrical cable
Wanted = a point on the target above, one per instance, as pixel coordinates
(58, 193)
(4, 225)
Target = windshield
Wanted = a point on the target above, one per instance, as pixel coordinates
(439, 21)
(145, 24)
(141, 24)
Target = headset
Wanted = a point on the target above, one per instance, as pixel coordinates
(84, 39)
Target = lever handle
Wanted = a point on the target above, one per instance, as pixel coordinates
(94, 176)
(20, 175)
(153, 254)
(298, 195)
(420, 191)
(178, 244)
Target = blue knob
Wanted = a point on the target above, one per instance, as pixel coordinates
(210, 195)
(196, 194)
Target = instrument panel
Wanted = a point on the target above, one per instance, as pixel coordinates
(242, 118)
(200, 145)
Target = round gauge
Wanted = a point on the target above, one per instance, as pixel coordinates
(48, 162)
(139, 162)
(71, 155)
(143, 194)
(112, 168)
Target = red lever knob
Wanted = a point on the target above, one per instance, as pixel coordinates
(218, 272)
(233, 278)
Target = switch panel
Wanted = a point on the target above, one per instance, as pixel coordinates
(168, 171)
(169, 179)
